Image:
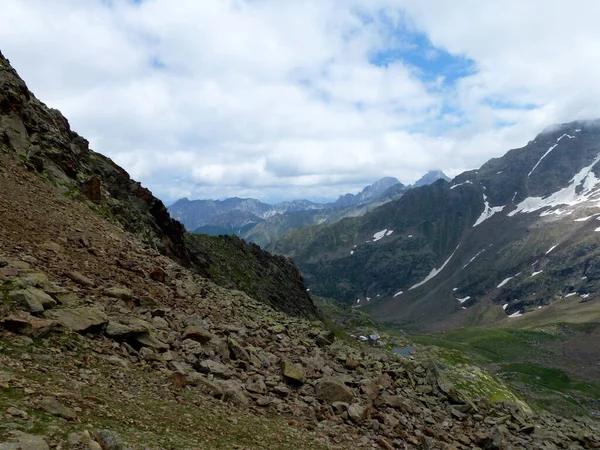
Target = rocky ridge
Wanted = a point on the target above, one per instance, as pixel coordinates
(516, 236)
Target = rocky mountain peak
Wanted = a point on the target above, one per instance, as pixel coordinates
(431, 177)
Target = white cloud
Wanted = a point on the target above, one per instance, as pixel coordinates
(279, 99)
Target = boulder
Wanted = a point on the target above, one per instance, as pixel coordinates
(234, 392)
(237, 351)
(197, 334)
(357, 413)
(24, 441)
(121, 327)
(216, 368)
(27, 325)
(331, 390)
(80, 279)
(149, 340)
(293, 372)
(54, 407)
(325, 339)
(108, 440)
(78, 319)
(119, 292)
(32, 299)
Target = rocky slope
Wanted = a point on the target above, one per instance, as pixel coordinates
(107, 343)
(43, 141)
(516, 235)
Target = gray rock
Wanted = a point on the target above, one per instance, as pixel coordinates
(293, 372)
(149, 340)
(197, 334)
(340, 407)
(54, 407)
(331, 390)
(234, 393)
(108, 440)
(216, 368)
(191, 347)
(80, 279)
(78, 319)
(237, 351)
(357, 413)
(121, 327)
(204, 385)
(119, 292)
(32, 299)
(24, 441)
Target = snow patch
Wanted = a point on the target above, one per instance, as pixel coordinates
(488, 211)
(515, 314)
(506, 280)
(455, 289)
(462, 300)
(352, 252)
(358, 301)
(460, 184)
(585, 295)
(536, 273)
(551, 248)
(398, 293)
(583, 219)
(434, 271)
(571, 294)
(504, 306)
(380, 234)
(549, 150)
(584, 181)
(473, 258)
(410, 235)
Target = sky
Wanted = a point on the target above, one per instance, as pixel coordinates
(279, 100)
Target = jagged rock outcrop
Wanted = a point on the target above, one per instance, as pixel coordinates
(43, 139)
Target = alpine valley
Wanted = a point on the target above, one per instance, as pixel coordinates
(121, 330)
(515, 241)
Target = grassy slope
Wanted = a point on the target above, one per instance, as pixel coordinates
(533, 360)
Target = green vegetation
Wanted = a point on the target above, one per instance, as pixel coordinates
(235, 264)
(528, 360)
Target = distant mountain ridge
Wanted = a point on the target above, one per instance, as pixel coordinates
(263, 223)
(510, 239)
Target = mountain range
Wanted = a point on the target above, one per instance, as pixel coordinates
(118, 329)
(263, 223)
(515, 240)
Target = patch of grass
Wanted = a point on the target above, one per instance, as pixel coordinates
(554, 379)
(489, 344)
(520, 357)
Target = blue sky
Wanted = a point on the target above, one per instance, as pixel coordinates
(281, 100)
